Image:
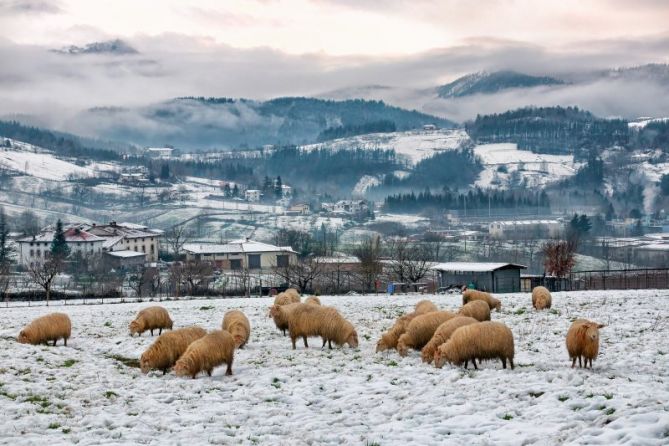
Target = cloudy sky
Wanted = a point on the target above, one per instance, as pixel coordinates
(265, 48)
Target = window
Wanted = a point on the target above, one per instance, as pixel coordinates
(282, 261)
(32, 253)
(235, 263)
(254, 261)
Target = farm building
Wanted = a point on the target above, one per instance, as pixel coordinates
(486, 276)
(242, 254)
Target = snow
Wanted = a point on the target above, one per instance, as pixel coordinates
(643, 122)
(537, 169)
(470, 266)
(364, 183)
(81, 394)
(413, 145)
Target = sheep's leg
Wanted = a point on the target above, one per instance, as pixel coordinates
(152, 332)
(330, 344)
(284, 332)
(511, 362)
(305, 342)
(65, 341)
(160, 331)
(293, 339)
(54, 342)
(503, 363)
(466, 363)
(573, 362)
(579, 362)
(228, 371)
(209, 372)
(324, 342)
(164, 372)
(474, 362)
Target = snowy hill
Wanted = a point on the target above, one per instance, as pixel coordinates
(486, 83)
(413, 145)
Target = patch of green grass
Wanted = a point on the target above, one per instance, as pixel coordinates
(536, 394)
(373, 443)
(369, 378)
(66, 430)
(109, 394)
(276, 383)
(608, 396)
(508, 417)
(69, 363)
(39, 359)
(206, 307)
(519, 311)
(392, 363)
(54, 425)
(41, 401)
(108, 324)
(367, 337)
(563, 398)
(128, 362)
(609, 411)
(554, 311)
(590, 395)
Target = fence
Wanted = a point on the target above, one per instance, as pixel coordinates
(618, 279)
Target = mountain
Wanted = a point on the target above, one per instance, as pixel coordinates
(116, 46)
(197, 123)
(488, 83)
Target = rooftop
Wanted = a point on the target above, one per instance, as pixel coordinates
(126, 254)
(478, 267)
(234, 247)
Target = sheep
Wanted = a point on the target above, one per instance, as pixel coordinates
(280, 315)
(293, 294)
(541, 298)
(50, 327)
(425, 306)
(314, 320)
(389, 339)
(469, 295)
(477, 309)
(211, 350)
(282, 299)
(165, 351)
(583, 341)
(151, 318)
(237, 324)
(443, 334)
(420, 330)
(485, 340)
(312, 300)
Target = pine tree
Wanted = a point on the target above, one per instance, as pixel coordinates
(4, 232)
(278, 188)
(59, 248)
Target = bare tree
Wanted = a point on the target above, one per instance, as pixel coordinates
(197, 275)
(409, 262)
(176, 237)
(369, 254)
(302, 273)
(144, 281)
(559, 257)
(44, 273)
(176, 277)
(6, 279)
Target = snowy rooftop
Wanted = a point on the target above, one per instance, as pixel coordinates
(525, 222)
(126, 254)
(72, 235)
(473, 266)
(236, 246)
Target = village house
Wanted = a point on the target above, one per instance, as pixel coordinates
(242, 254)
(159, 152)
(350, 207)
(129, 237)
(35, 250)
(299, 209)
(252, 195)
(514, 229)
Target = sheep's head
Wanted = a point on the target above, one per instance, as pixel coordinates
(592, 331)
(352, 340)
(442, 355)
(439, 360)
(274, 311)
(23, 337)
(498, 306)
(402, 349)
(382, 345)
(135, 327)
(144, 364)
(239, 340)
(169, 324)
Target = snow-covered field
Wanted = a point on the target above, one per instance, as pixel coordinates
(85, 394)
(413, 145)
(535, 168)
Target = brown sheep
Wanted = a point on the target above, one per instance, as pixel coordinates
(151, 318)
(541, 298)
(443, 334)
(282, 299)
(208, 352)
(237, 324)
(470, 295)
(313, 320)
(485, 340)
(165, 351)
(389, 339)
(583, 341)
(477, 309)
(293, 294)
(47, 328)
(281, 317)
(421, 329)
(425, 306)
(312, 300)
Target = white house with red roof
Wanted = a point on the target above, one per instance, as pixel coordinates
(36, 249)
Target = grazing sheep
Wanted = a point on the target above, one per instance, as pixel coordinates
(165, 351)
(583, 341)
(477, 309)
(282, 299)
(293, 294)
(470, 295)
(237, 324)
(421, 329)
(425, 306)
(485, 340)
(313, 320)
(280, 315)
(312, 300)
(541, 298)
(208, 352)
(46, 328)
(389, 339)
(443, 334)
(151, 318)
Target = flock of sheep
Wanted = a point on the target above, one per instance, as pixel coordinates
(441, 336)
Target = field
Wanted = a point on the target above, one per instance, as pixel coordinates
(92, 393)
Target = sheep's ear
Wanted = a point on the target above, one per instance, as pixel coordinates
(601, 325)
